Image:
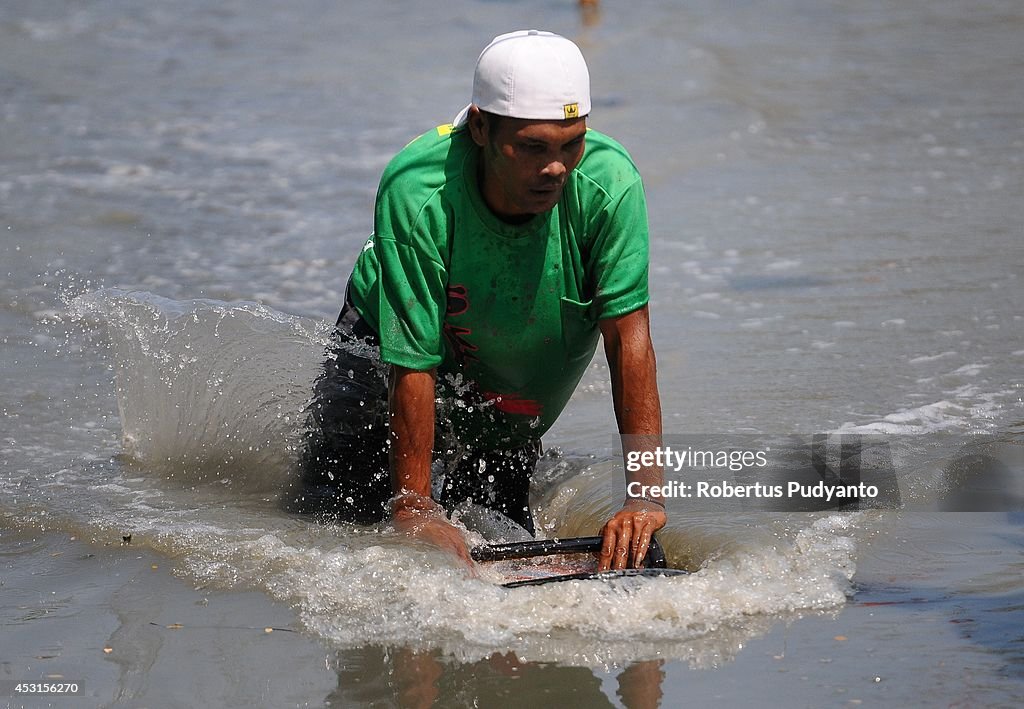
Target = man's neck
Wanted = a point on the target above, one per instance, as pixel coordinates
(492, 200)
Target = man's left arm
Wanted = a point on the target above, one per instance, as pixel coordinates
(630, 353)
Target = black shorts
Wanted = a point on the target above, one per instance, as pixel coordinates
(344, 469)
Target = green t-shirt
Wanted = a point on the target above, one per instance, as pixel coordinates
(507, 313)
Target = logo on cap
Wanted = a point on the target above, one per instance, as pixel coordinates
(572, 110)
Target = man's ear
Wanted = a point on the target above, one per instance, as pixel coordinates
(479, 126)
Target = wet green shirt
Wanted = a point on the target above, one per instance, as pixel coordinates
(507, 313)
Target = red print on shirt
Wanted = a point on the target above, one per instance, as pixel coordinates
(514, 404)
(458, 303)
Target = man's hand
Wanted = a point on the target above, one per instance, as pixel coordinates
(627, 535)
(422, 518)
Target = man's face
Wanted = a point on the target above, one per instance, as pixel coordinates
(525, 163)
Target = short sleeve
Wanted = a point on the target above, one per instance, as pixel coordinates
(618, 259)
(412, 278)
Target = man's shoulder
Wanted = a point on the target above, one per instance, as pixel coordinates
(413, 187)
(607, 164)
(596, 138)
(428, 143)
(426, 159)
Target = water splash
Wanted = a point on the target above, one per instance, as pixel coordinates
(208, 390)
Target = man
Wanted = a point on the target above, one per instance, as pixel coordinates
(504, 246)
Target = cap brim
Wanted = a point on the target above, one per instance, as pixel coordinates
(462, 116)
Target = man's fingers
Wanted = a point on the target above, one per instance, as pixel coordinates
(607, 545)
(626, 538)
(641, 545)
(622, 540)
(640, 542)
(615, 545)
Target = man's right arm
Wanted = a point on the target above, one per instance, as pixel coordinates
(411, 406)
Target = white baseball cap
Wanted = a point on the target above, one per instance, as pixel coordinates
(531, 74)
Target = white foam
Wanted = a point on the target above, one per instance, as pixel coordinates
(783, 265)
(931, 358)
(937, 416)
(74, 24)
(382, 594)
(970, 370)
